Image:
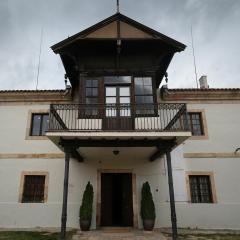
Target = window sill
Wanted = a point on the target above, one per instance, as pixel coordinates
(201, 137)
(201, 203)
(36, 138)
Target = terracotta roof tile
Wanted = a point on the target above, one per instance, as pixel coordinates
(33, 91)
(202, 89)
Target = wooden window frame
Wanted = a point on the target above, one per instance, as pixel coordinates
(101, 91)
(212, 184)
(83, 87)
(41, 123)
(154, 95)
(33, 173)
(203, 123)
(28, 135)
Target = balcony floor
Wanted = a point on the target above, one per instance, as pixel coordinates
(179, 137)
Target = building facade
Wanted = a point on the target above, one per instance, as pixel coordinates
(115, 127)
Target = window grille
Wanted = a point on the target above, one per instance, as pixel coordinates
(200, 189)
(33, 190)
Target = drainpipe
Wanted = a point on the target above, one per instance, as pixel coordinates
(67, 152)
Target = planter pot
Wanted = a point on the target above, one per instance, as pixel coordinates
(85, 225)
(148, 224)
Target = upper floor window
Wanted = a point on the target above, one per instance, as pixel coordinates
(39, 124)
(91, 91)
(196, 123)
(33, 188)
(200, 189)
(143, 95)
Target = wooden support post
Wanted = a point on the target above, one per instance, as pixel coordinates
(171, 194)
(67, 151)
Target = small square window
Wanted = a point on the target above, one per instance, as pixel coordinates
(200, 189)
(33, 188)
(39, 124)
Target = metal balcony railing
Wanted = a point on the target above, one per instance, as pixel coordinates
(118, 117)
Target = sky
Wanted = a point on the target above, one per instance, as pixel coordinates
(215, 24)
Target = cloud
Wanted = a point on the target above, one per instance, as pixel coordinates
(215, 27)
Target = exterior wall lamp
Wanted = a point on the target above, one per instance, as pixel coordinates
(116, 152)
(238, 149)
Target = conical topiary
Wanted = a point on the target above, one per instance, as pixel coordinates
(87, 202)
(147, 204)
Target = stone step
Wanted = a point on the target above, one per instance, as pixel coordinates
(113, 234)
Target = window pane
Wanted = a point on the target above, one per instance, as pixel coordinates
(88, 83)
(195, 121)
(148, 90)
(36, 124)
(91, 100)
(148, 99)
(139, 89)
(139, 99)
(124, 99)
(147, 81)
(94, 92)
(124, 91)
(45, 121)
(194, 189)
(111, 91)
(88, 92)
(111, 100)
(138, 81)
(95, 83)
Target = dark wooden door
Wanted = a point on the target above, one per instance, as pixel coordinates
(116, 199)
(118, 112)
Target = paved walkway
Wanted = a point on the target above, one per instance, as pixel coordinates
(127, 235)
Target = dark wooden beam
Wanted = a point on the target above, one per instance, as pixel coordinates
(75, 154)
(162, 148)
(159, 153)
(76, 143)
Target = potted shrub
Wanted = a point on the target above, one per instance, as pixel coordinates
(85, 214)
(148, 213)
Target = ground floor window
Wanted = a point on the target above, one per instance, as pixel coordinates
(201, 187)
(33, 187)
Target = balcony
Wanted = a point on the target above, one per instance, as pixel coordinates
(148, 119)
(119, 125)
(166, 117)
(123, 125)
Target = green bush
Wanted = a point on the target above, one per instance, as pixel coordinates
(87, 202)
(147, 204)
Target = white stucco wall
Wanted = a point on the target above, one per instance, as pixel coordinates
(223, 137)
(223, 130)
(13, 126)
